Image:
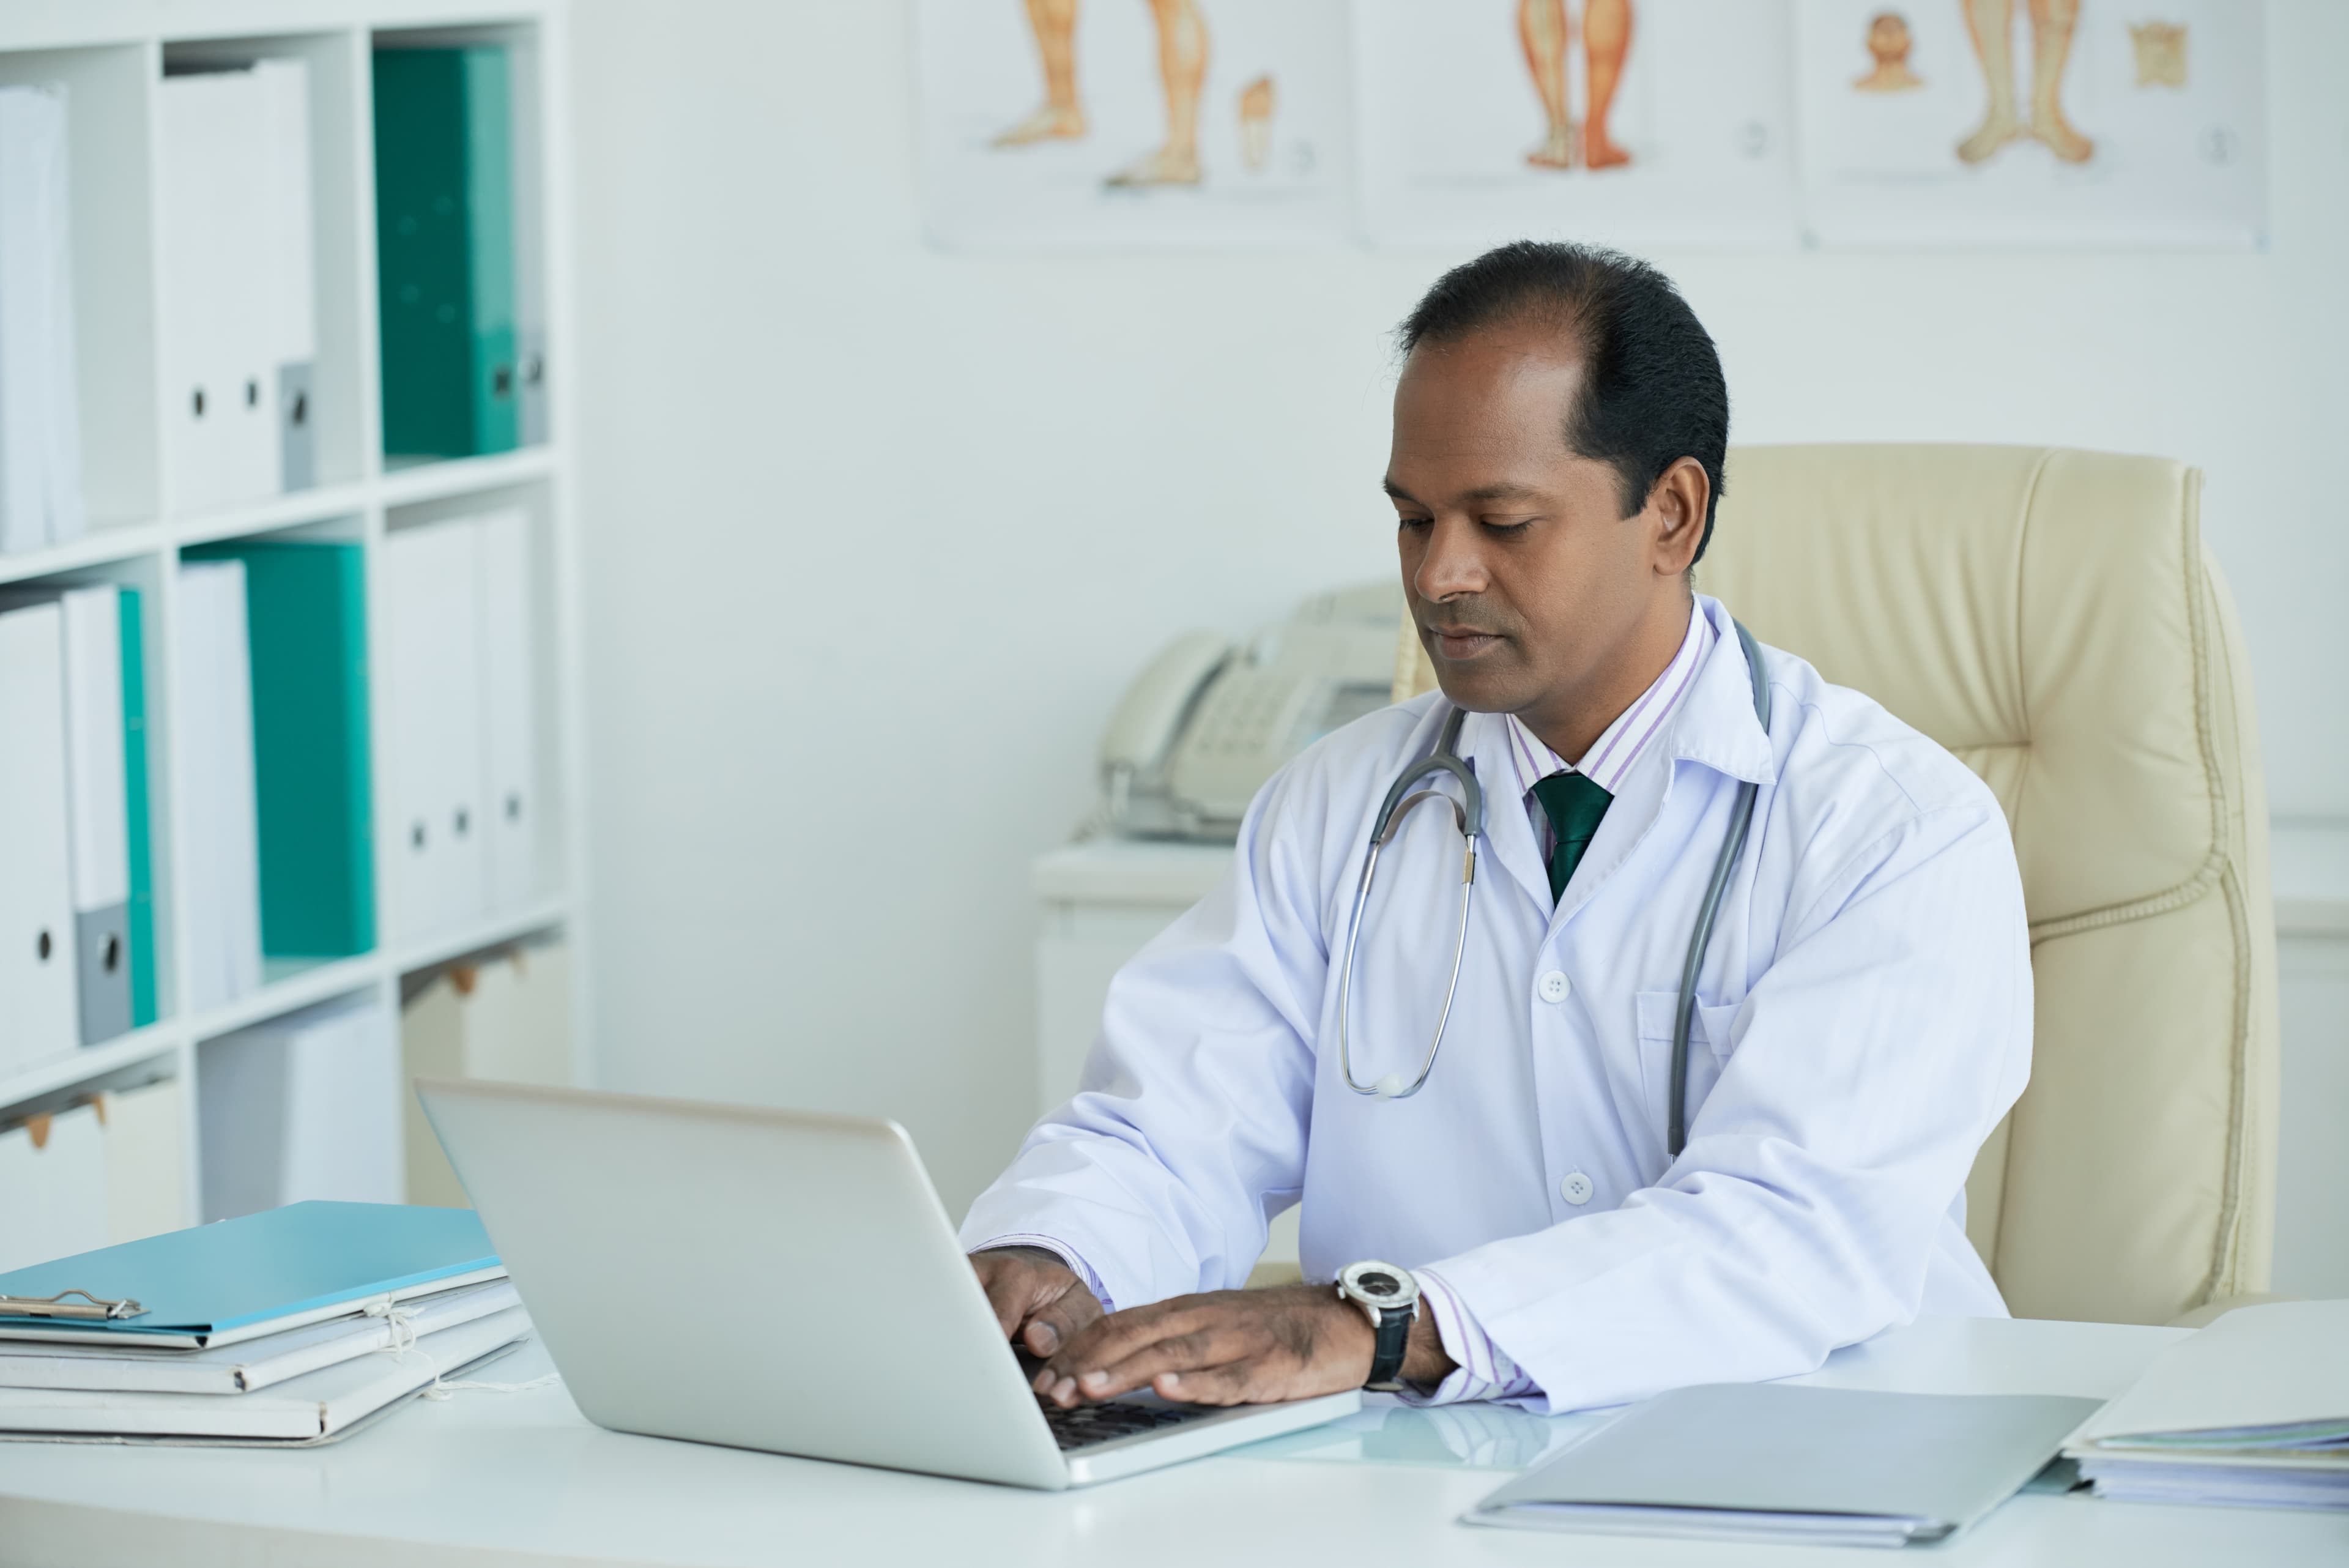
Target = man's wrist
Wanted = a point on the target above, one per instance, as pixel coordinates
(1033, 1254)
(1425, 1362)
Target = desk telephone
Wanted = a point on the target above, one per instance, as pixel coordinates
(1207, 720)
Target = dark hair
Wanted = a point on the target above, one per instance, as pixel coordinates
(1652, 391)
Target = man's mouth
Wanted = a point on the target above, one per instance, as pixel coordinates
(1461, 641)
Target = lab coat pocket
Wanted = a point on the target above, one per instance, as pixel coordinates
(1709, 1049)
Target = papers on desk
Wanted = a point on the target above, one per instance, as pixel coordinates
(1805, 1466)
(241, 1279)
(249, 1364)
(295, 1326)
(315, 1408)
(2252, 1410)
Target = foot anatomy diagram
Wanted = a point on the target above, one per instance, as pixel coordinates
(1545, 29)
(1182, 72)
(2053, 22)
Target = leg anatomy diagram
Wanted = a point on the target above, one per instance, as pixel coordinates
(1182, 73)
(1545, 29)
(2053, 22)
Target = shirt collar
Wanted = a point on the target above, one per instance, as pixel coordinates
(1620, 745)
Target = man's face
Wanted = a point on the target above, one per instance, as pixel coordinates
(1523, 574)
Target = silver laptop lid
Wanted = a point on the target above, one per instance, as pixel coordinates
(764, 1278)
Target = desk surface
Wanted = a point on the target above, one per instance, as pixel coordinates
(487, 1478)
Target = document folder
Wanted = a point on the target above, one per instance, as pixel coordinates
(240, 1279)
(444, 251)
(1756, 1462)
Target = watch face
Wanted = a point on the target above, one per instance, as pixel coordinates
(1379, 1284)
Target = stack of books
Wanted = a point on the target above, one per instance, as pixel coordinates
(292, 1327)
(2251, 1412)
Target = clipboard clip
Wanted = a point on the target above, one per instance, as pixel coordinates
(90, 1308)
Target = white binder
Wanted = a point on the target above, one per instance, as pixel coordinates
(37, 926)
(223, 862)
(97, 816)
(509, 713)
(286, 249)
(41, 440)
(218, 325)
(303, 1106)
(433, 625)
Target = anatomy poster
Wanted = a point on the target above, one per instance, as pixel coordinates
(2007, 122)
(1139, 124)
(1639, 123)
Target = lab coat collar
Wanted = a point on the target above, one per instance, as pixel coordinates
(1715, 725)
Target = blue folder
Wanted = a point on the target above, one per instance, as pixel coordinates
(240, 1279)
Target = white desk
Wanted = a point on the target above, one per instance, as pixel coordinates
(507, 1478)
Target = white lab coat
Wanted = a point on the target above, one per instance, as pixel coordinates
(1864, 1021)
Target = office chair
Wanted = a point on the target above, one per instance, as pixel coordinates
(2049, 616)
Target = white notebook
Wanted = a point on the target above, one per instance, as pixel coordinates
(250, 1365)
(1792, 1465)
(316, 1406)
(2252, 1409)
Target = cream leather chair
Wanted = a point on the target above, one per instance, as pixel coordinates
(2049, 616)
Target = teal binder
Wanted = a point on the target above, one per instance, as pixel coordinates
(239, 1279)
(444, 251)
(140, 836)
(306, 618)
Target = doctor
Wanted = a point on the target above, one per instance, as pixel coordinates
(1520, 1227)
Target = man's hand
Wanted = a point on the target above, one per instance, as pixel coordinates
(1232, 1347)
(1036, 1298)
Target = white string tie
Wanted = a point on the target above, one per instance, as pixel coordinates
(400, 1319)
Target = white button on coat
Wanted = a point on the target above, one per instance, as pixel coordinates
(1555, 986)
(1872, 949)
(1575, 1188)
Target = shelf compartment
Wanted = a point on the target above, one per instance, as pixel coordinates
(109, 181)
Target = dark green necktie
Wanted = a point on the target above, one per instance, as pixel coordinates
(1574, 805)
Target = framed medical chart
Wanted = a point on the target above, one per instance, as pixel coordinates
(1638, 123)
(2005, 122)
(1134, 124)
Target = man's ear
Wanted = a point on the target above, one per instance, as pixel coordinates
(1676, 511)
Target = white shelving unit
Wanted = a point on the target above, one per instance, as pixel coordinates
(111, 55)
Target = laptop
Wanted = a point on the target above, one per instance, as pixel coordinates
(785, 1282)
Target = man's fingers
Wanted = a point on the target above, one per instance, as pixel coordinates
(1006, 1302)
(1020, 1284)
(1112, 1339)
(1060, 1320)
(1233, 1383)
(1194, 1351)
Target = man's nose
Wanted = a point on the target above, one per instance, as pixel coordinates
(1455, 562)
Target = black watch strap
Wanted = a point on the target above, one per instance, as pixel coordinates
(1386, 1358)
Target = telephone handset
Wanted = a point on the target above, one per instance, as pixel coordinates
(1207, 722)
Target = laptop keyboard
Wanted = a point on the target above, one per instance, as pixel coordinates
(1090, 1424)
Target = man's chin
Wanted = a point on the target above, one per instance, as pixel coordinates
(1470, 684)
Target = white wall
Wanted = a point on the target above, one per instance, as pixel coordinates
(875, 535)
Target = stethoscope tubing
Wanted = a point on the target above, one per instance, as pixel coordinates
(1469, 814)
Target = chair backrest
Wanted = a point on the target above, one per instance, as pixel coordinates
(2049, 616)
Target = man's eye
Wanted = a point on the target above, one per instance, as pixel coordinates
(1507, 528)
(1415, 522)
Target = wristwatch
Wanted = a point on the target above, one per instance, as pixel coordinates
(1389, 1296)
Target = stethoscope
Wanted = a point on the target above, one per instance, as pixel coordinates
(1468, 814)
